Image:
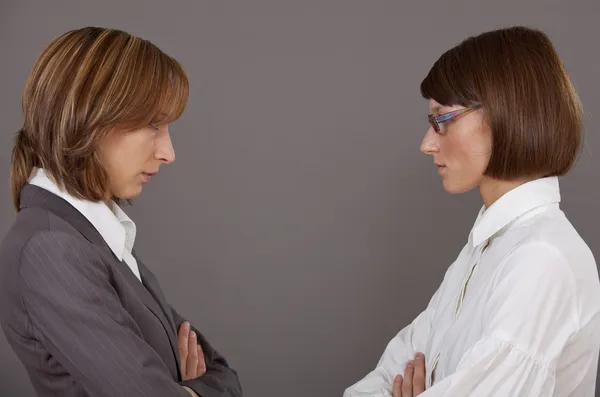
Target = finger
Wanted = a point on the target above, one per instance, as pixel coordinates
(192, 362)
(419, 376)
(201, 362)
(397, 386)
(407, 384)
(182, 339)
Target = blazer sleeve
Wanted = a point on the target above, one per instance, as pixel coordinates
(220, 380)
(77, 315)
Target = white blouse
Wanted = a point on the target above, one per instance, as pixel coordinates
(516, 315)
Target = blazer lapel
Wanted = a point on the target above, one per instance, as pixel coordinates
(146, 292)
(153, 288)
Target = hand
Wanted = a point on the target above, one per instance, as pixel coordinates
(193, 393)
(190, 353)
(413, 382)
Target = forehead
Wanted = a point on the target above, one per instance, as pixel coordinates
(436, 107)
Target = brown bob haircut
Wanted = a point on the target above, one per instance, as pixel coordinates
(86, 83)
(529, 103)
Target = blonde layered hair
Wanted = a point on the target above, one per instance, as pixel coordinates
(86, 83)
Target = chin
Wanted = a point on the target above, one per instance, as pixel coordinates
(129, 194)
(454, 187)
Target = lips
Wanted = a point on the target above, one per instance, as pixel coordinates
(147, 176)
(441, 168)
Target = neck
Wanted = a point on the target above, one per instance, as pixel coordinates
(492, 189)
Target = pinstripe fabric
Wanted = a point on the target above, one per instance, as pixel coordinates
(81, 322)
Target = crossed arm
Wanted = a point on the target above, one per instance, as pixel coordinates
(204, 371)
(78, 316)
(515, 354)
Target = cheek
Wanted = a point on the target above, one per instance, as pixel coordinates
(480, 152)
(109, 156)
(471, 150)
(116, 160)
(124, 157)
(452, 150)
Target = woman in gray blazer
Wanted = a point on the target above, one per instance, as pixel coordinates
(79, 308)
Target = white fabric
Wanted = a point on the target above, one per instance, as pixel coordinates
(115, 227)
(529, 322)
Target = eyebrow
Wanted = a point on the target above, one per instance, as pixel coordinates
(436, 109)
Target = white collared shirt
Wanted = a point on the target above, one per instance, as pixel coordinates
(115, 227)
(517, 314)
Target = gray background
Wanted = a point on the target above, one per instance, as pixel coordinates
(300, 227)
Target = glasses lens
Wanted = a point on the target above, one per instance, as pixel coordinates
(434, 123)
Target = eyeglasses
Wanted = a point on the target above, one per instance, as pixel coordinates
(435, 121)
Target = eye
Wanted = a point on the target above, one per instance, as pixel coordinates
(442, 130)
(154, 127)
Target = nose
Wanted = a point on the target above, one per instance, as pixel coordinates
(164, 147)
(430, 144)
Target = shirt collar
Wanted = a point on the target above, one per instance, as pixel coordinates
(115, 227)
(514, 204)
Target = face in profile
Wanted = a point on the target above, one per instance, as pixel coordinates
(461, 149)
(132, 158)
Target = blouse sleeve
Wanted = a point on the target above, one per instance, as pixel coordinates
(399, 350)
(529, 318)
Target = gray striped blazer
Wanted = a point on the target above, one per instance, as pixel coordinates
(81, 322)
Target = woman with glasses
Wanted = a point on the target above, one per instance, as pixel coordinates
(517, 313)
